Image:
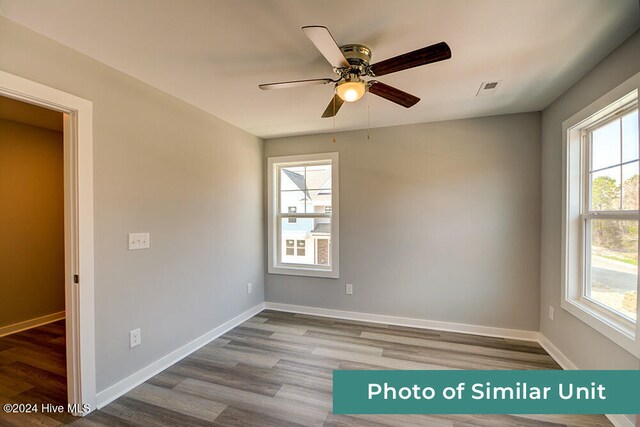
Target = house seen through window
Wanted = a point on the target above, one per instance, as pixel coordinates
(306, 189)
(302, 200)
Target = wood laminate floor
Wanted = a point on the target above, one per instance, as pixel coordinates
(33, 371)
(276, 370)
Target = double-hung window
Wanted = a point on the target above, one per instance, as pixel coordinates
(303, 215)
(610, 214)
(601, 215)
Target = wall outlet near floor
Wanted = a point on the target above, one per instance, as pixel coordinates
(552, 312)
(135, 338)
(249, 288)
(348, 289)
(138, 241)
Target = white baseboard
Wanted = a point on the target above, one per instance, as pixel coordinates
(407, 321)
(620, 420)
(118, 389)
(556, 354)
(617, 420)
(33, 323)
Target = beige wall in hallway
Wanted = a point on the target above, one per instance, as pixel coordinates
(31, 222)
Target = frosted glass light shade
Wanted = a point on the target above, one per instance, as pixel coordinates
(350, 91)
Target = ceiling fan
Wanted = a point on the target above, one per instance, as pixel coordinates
(351, 63)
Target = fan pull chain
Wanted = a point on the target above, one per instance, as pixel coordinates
(368, 118)
(334, 119)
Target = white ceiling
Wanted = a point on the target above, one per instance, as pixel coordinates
(214, 53)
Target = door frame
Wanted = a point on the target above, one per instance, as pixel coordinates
(78, 233)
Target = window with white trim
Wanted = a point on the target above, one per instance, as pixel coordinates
(601, 221)
(303, 215)
(610, 213)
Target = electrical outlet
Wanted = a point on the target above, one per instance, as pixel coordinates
(348, 289)
(552, 313)
(135, 338)
(138, 241)
(249, 288)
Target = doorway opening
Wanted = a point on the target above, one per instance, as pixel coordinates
(48, 201)
(32, 306)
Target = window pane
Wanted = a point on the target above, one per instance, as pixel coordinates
(292, 201)
(305, 189)
(605, 189)
(319, 201)
(605, 149)
(630, 186)
(630, 136)
(304, 234)
(319, 177)
(292, 178)
(614, 265)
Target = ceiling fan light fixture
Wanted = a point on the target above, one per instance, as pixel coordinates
(351, 90)
(352, 62)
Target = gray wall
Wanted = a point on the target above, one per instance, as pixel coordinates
(31, 222)
(161, 166)
(584, 346)
(438, 221)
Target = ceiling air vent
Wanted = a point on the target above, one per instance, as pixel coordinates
(488, 88)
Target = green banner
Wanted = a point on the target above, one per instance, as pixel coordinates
(486, 392)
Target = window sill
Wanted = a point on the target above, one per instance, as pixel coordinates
(305, 271)
(617, 332)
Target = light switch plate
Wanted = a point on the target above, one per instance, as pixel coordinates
(138, 241)
(348, 289)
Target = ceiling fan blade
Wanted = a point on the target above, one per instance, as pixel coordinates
(295, 83)
(392, 94)
(426, 55)
(333, 107)
(324, 42)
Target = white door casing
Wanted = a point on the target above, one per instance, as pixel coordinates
(78, 223)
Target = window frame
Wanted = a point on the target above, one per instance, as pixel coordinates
(577, 215)
(588, 214)
(275, 264)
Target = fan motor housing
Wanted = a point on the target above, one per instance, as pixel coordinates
(358, 55)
